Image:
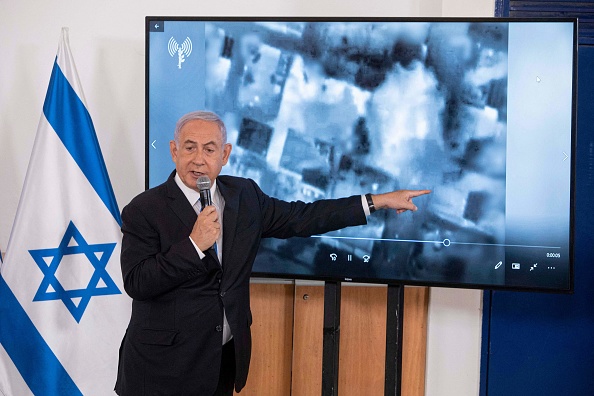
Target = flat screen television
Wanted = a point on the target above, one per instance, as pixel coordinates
(481, 111)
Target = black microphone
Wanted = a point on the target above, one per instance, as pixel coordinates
(203, 184)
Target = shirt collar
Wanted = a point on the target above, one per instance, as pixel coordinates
(192, 195)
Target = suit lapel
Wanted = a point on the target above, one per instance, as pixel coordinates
(231, 196)
(179, 203)
(181, 207)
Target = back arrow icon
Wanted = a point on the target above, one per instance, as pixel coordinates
(153, 144)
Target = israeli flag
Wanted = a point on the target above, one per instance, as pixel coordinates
(63, 310)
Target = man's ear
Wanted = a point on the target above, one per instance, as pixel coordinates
(173, 150)
(226, 152)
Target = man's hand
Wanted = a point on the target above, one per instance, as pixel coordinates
(400, 200)
(206, 229)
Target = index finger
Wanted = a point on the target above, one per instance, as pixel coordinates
(416, 193)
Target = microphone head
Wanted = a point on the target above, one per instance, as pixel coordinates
(203, 183)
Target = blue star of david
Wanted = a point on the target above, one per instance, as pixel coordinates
(51, 289)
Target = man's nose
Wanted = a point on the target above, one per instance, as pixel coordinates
(198, 157)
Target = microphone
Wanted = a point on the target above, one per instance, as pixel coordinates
(203, 184)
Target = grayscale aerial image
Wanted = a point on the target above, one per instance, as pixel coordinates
(331, 109)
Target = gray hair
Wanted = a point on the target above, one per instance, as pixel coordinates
(201, 115)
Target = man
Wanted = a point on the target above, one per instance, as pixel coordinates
(189, 333)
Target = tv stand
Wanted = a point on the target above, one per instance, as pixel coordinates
(331, 339)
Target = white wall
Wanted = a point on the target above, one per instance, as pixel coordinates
(453, 342)
(107, 41)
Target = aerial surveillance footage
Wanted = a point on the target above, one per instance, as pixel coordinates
(330, 110)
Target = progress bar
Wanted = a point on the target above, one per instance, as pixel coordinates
(445, 242)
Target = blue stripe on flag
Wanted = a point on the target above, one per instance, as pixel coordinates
(72, 122)
(39, 367)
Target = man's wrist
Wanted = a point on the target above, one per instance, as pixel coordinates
(198, 250)
(370, 203)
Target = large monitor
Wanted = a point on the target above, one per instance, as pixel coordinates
(480, 111)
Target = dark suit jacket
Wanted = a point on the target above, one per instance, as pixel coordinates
(173, 343)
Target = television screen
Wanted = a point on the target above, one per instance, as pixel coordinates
(480, 111)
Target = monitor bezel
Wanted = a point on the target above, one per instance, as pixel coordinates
(384, 281)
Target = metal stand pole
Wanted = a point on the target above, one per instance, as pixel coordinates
(331, 339)
(394, 325)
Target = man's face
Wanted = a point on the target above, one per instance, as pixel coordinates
(200, 152)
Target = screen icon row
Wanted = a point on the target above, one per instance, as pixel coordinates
(517, 266)
(349, 257)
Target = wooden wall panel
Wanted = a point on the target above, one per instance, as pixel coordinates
(272, 340)
(414, 351)
(308, 341)
(362, 341)
(288, 338)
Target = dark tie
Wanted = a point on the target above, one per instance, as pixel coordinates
(213, 253)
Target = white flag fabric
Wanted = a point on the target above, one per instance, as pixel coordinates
(63, 309)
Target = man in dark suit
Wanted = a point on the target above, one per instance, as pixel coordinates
(189, 333)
